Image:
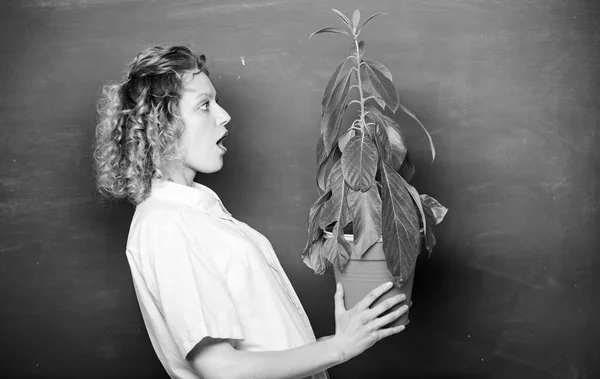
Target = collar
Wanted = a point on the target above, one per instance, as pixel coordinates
(198, 197)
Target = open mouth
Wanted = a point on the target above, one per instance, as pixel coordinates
(220, 141)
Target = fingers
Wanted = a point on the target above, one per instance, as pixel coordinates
(373, 295)
(384, 320)
(339, 300)
(382, 333)
(385, 305)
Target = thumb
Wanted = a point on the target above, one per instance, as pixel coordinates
(339, 300)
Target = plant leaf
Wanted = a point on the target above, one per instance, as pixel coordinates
(365, 208)
(329, 30)
(336, 206)
(344, 138)
(434, 214)
(345, 19)
(316, 258)
(400, 224)
(325, 169)
(359, 162)
(361, 49)
(377, 129)
(314, 232)
(355, 19)
(417, 199)
(331, 84)
(332, 117)
(383, 86)
(392, 141)
(407, 169)
(384, 70)
(438, 211)
(338, 250)
(414, 117)
(370, 18)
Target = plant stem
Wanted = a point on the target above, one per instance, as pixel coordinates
(360, 91)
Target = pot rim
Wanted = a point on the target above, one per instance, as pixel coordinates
(348, 237)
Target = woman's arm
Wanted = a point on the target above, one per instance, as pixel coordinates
(357, 329)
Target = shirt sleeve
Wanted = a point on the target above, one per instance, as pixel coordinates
(189, 290)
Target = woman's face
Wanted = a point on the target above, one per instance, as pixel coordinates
(204, 125)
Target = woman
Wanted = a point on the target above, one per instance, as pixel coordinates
(214, 298)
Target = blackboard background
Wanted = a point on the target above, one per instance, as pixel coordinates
(509, 90)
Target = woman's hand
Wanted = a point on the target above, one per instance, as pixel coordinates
(359, 328)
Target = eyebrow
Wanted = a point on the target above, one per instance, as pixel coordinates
(207, 94)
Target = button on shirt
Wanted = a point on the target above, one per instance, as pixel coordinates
(198, 272)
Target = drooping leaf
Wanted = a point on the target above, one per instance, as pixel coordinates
(361, 49)
(345, 19)
(329, 30)
(314, 232)
(344, 138)
(324, 169)
(368, 89)
(355, 19)
(381, 85)
(378, 130)
(393, 141)
(365, 209)
(370, 18)
(335, 210)
(414, 117)
(384, 70)
(331, 84)
(407, 169)
(316, 257)
(417, 199)
(359, 162)
(434, 214)
(400, 224)
(438, 211)
(336, 206)
(332, 116)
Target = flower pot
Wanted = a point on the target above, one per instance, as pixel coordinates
(363, 274)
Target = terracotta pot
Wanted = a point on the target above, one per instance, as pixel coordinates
(363, 274)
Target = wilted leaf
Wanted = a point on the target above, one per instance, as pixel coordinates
(378, 130)
(359, 162)
(344, 138)
(438, 211)
(330, 30)
(417, 199)
(322, 171)
(382, 85)
(361, 49)
(345, 19)
(316, 257)
(414, 117)
(314, 232)
(384, 70)
(369, 19)
(365, 208)
(336, 206)
(434, 214)
(331, 84)
(332, 116)
(400, 223)
(407, 169)
(395, 146)
(355, 19)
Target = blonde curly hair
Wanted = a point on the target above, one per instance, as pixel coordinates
(138, 129)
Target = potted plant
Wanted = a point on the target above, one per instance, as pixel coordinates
(368, 222)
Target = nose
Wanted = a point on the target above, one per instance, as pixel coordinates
(224, 117)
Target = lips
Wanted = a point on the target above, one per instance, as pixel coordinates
(220, 140)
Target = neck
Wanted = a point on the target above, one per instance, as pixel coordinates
(184, 177)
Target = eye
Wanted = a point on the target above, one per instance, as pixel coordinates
(204, 106)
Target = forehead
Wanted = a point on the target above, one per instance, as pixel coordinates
(195, 84)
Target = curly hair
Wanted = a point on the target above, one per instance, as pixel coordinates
(139, 127)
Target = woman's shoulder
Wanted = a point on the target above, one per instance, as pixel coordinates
(156, 214)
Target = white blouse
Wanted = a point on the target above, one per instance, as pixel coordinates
(198, 272)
